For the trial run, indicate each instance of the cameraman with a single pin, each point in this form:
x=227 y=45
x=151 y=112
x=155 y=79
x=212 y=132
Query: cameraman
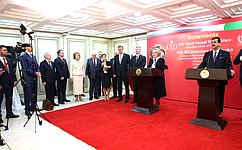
x=31 y=67
x=7 y=81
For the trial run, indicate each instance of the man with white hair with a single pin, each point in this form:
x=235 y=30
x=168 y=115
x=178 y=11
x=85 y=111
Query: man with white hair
x=48 y=76
x=93 y=72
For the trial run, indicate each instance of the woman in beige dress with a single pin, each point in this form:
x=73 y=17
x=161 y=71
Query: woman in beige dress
x=77 y=74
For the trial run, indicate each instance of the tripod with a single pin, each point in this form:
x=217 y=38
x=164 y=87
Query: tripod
x=30 y=87
x=2 y=142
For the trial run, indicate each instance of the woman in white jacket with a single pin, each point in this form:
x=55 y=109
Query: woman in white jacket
x=77 y=74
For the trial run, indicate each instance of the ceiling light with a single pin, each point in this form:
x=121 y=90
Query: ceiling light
x=137 y=14
x=55 y=8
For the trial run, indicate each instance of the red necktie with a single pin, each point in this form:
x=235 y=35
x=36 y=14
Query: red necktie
x=5 y=64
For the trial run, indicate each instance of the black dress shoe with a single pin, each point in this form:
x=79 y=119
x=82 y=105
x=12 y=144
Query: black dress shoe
x=83 y=95
x=119 y=100
x=90 y=98
x=28 y=114
x=1 y=121
x=61 y=102
x=126 y=100
x=96 y=97
x=114 y=96
x=54 y=104
x=12 y=116
x=67 y=100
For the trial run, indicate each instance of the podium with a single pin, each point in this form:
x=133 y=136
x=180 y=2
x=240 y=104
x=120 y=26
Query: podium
x=144 y=77
x=208 y=98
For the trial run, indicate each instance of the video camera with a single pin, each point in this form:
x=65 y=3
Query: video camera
x=20 y=47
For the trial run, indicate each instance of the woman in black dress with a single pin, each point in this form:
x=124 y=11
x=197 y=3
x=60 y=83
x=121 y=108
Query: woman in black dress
x=106 y=76
x=158 y=61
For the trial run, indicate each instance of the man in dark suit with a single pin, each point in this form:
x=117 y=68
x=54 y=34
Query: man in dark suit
x=7 y=81
x=62 y=74
x=31 y=68
x=121 y=66
x=219 y=59
x=238 y=60
x=93 y=71
x=48 y=76
x=137 y=61
x=114 y=78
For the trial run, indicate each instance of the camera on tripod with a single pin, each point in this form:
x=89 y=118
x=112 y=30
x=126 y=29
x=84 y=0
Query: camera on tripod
x=20 y=47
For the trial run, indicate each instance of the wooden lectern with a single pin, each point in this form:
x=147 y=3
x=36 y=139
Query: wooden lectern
x=208 y=102
x=144 y=77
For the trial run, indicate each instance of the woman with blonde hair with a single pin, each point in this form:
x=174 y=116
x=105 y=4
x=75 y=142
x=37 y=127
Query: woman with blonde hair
x=77 y=73
x=157 y=61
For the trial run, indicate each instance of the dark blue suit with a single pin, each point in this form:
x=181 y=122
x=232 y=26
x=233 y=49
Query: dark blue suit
x=6 y=82
x=114 y=79
x=94 y=74
x=48 y=75
x=62 y=70
x=222 y=61
x=30 y=67
x=236 y=62
x=137 y=63
x=120 y=70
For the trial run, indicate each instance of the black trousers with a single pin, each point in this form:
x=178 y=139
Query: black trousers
x=30 y=95
x=61 y=87
x=50 y=91
x=9 y=99
x=94 y=87
x=115 y=86
x=135 y=88
x=221 y=90
x=126 y=84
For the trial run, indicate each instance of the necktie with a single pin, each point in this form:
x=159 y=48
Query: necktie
x=5 y=64
x=50 y=64
x=120 y=58
x=214 y=57
x=137 y=57
x=95 y=62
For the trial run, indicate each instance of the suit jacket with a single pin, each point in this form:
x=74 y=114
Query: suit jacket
x=222 y=61
x=140 y=63
x=112 y=62
x=237 y=61
x=7 y=78
x=62 y=69
x=30 y=66
x=159 y=87
x=48 y=74
x=93 y=71
x=121 y=69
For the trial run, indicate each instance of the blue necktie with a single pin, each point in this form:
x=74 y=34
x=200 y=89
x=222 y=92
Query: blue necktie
x=214 y=57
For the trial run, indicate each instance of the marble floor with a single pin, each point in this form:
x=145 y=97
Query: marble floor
x=44 y=137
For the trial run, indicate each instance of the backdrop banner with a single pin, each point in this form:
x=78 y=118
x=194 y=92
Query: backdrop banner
x=185 y=49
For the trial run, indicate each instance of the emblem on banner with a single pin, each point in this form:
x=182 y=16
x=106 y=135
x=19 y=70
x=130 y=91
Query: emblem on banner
x=239 y=38
x=138 y=72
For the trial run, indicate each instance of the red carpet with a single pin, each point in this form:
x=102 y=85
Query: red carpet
x=111 y=126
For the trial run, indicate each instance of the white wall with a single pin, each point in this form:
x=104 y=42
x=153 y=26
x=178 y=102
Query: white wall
x=49 y=42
